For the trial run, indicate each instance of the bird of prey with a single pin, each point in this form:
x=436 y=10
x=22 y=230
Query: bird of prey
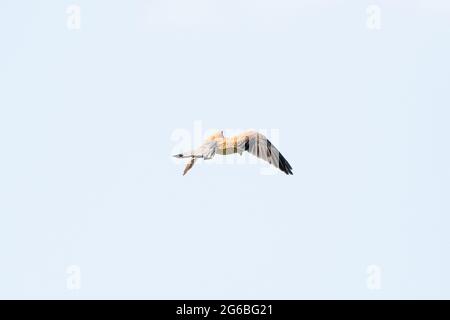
x=250 y=141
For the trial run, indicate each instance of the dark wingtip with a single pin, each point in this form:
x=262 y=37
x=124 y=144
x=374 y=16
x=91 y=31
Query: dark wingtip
x=284 y=165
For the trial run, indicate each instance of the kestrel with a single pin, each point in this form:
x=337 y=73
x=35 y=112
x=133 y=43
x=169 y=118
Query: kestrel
x=250 y=141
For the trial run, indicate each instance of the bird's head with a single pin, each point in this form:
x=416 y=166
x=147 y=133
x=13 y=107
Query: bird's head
x=215 y=136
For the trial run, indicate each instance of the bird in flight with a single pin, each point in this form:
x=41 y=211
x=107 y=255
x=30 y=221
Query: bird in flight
x=250 y=141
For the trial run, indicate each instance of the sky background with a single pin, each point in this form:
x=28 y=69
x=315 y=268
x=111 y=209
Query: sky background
x=87 y=123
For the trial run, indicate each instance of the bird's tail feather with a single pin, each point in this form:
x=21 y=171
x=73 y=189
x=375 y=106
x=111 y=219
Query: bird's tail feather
x=188 y=155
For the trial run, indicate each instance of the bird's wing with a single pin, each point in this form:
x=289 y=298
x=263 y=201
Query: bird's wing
x=189 y=165
x=207 y=150
x=258 y=145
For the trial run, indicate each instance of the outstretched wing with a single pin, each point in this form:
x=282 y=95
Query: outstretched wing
x=258 y=145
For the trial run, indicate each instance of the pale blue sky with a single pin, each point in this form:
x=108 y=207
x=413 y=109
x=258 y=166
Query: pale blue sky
x=86 y=119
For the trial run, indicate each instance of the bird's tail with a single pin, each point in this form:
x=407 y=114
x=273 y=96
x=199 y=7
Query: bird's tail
x=189 y=154
x=183 y=155
x=193 y=157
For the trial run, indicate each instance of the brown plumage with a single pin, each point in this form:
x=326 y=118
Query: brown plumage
x=250 y=141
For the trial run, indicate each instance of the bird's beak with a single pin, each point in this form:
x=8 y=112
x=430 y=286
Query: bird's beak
x=178 y=155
